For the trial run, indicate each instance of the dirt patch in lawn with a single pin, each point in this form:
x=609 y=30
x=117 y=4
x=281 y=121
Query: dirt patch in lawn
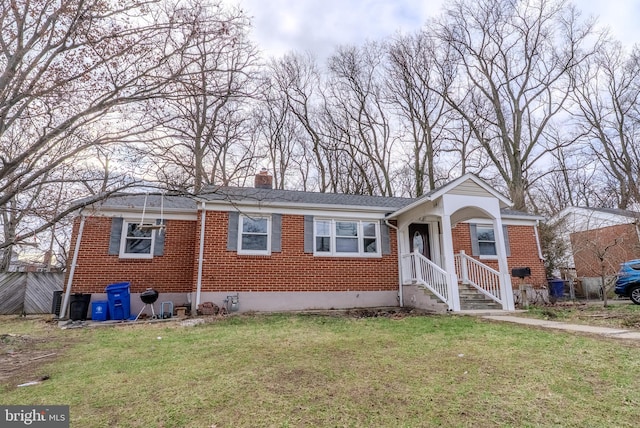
x=23 y=354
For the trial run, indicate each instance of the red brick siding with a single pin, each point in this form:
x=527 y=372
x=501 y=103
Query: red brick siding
x=292 y=269
x=171 y=272
x=289 y=270
x=524 y=251
x=614 y=244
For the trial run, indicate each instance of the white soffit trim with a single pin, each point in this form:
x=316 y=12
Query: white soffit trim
x=509 y=221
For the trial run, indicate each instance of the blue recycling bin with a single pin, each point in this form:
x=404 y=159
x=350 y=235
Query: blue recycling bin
x=119 y=299
x=556 y=287
x=99 y=310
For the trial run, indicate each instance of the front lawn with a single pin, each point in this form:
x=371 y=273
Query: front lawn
x=618 y=314
x=316 y=371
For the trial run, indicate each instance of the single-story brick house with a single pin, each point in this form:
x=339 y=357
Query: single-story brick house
x=281 y=250
x=599 y=236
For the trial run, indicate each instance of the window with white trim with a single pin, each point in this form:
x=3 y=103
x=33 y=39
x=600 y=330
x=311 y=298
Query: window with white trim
x=483 y=240
x=486 y=240
x=254 y=235
x=137 y=240
x=337 y=237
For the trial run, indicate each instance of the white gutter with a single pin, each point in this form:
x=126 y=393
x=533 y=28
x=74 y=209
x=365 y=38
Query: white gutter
x=400 y=294
x=67 y=294
x=200 y=255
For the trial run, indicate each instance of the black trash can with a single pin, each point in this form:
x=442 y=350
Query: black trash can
x=56 y=304
x=79 y=306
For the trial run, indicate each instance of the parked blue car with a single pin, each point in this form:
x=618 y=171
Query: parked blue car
x=628 y=282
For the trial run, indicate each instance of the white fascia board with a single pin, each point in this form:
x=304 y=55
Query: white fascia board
x=507 y=221
x=344 y=211
x=407 y=208
x=516 y=217
x=131 y=212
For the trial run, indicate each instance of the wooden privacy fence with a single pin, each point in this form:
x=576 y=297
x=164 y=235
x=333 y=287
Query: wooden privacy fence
x=28 y=292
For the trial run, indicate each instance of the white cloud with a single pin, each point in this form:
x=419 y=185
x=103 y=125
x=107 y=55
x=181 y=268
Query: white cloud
x=319 y=26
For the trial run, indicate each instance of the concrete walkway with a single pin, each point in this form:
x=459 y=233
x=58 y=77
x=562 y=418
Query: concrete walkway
x=601 y=331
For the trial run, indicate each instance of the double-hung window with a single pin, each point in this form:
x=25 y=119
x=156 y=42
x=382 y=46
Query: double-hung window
x=337 y=237
x=483 y=240
x=137 y=240
x=254 y=235
x=486 y=240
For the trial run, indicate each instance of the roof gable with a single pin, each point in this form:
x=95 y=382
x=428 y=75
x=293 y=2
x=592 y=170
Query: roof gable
x=469 y=185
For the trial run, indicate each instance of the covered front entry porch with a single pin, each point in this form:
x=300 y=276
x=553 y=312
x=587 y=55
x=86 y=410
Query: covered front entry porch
x=432 y=235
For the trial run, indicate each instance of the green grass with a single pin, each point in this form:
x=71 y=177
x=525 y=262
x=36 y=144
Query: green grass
x=309 y=371
x=616 y=315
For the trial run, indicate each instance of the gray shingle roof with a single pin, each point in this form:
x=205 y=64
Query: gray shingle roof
x=616 y=211
x=169 y=202
x=237 y=194
x=250 y=194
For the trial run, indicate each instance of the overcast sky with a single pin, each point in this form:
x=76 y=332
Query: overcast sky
x=280 y=26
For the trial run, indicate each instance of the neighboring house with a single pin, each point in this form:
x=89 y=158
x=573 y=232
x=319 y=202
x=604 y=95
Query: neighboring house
x=600 y=237
x=290 y=250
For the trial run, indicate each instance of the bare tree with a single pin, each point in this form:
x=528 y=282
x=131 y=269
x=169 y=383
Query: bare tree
x=356 y=88
x=282 y=133
x=414 y=88
x=509 y=77
x=204 y=112
x=602 y=250
x=297 y=77
x=607 y=92
x=69 y=70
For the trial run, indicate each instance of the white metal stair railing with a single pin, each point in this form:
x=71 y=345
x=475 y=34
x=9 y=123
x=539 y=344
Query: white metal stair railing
x=422 y=271
x=483 y=278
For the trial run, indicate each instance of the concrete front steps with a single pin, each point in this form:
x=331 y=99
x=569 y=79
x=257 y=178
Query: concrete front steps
x=471 y=299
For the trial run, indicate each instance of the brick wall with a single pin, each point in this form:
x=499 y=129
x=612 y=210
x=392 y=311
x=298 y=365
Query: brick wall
x=172 y=272
x=614 y=244
x=524 y=252
x=292 y=269
x=289 y=270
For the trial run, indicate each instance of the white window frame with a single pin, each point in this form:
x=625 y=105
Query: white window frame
x=360 y=237
x=124 y=237
x=241 y=219
x=495 y=243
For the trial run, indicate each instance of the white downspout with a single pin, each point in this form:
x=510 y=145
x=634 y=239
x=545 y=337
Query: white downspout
x=200 y=255
x=74 y=262
x=400 y=293
x=535 y=231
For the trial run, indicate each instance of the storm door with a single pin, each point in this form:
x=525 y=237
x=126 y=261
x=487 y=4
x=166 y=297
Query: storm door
x=419 y=239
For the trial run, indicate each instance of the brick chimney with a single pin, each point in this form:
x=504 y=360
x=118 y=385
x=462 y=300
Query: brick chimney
x=264 y=180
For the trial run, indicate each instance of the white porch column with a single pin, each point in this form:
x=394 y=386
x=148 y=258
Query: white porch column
x=506 y=289
x=449 y=263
